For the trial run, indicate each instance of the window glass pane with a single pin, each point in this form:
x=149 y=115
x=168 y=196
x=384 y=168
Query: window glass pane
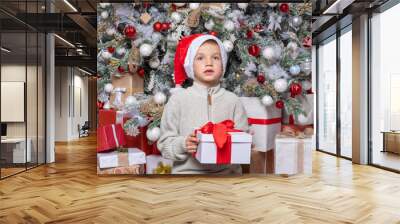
x=346 y=94
x=327 y=96
x=13 y=86
x=385 y=84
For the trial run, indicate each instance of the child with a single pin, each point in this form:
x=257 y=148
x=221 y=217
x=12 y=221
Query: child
x=202 y=58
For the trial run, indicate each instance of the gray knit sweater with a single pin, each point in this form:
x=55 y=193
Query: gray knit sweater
x=190 y=109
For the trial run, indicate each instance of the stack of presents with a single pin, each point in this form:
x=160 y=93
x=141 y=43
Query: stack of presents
x=269 y=147
x=282 y=143
x=119 y=153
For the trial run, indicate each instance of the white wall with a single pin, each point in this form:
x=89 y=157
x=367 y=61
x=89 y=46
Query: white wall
x=70 y=83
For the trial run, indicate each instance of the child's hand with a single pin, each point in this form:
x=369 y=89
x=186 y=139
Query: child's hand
x=191 y=143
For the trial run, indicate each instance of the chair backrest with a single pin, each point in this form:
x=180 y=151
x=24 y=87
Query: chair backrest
x=86 y=125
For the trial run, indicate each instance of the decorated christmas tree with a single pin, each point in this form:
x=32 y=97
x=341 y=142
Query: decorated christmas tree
x=269 y=49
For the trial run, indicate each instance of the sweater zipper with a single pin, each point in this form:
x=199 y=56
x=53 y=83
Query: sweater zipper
x=209 y=106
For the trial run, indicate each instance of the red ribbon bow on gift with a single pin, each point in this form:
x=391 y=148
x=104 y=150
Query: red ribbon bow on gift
x=222 y=138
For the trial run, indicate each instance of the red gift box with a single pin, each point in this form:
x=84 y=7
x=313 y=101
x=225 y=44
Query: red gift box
x=141 y=142
x=110 y=137
x=107 y=117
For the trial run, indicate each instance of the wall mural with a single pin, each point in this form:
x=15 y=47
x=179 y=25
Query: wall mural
x=204 y=88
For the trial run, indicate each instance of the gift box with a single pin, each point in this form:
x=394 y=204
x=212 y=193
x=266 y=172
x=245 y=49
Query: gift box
x=107 y=159
x=134 y=169
x=131 y=82
x=221 y=144
x=136 y=156
x=131 y=157
x=240 y=149
x=293 y=155
x=140 y=141
x=110 y=137
x=107 y=117
x=156 y=164
x=265 y=122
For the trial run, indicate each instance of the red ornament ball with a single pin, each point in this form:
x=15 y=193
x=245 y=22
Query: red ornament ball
x=249 y=34
x=111 y=50
x=284 y=7
x=121 y=69
x=295 y=89
x=213 y=33
x=254 y=50
x=130 y=31
x=261 y=78
x=165 y=26
x=157 y=26
x=279 y=104
x=141 y=72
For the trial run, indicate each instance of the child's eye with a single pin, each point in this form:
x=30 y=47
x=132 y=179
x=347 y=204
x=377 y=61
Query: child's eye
x=216 y=58
x=199 y=58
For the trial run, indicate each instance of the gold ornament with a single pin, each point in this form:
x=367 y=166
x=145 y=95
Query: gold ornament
x=145 y=18
x=193 y=19
x=134 y=60
x=162 y=169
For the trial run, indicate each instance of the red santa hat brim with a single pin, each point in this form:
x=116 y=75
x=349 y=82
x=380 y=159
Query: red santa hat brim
x=186 y=51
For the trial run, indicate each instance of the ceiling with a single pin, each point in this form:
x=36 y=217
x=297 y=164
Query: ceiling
x=332 y=15
x=77 y=25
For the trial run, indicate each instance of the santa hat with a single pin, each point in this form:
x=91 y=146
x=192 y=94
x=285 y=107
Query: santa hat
x=186 y=51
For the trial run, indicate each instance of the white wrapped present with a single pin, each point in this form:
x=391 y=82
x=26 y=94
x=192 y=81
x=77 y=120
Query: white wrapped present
x=132 y=156
x=156 y=164
x=107 y=159
x=293 y=155
x=265 y=122
x=136 y=156
x=240 y=150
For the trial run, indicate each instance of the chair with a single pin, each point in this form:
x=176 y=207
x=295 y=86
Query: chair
x=84 y=130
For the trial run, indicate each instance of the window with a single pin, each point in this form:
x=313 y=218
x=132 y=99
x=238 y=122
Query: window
x=346 y=92
x=327 y=96
x=385 y=89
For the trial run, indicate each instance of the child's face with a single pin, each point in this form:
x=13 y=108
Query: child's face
x=208 y=63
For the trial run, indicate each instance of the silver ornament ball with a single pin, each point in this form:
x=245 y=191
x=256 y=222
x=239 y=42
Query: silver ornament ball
x=267 y=100
x=229 y=25
x=106 y=55
x=297 y=21
x=153 y=134
x=145 y=50
x=176 y=17
x=104 y=15
x=280 y=85
x=228 y=45
x=209 y=25
x=108 y=88
x=160 y=98
x=294 y=70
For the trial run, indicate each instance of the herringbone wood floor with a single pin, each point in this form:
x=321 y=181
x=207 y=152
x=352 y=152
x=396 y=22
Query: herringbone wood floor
x=69 y=191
